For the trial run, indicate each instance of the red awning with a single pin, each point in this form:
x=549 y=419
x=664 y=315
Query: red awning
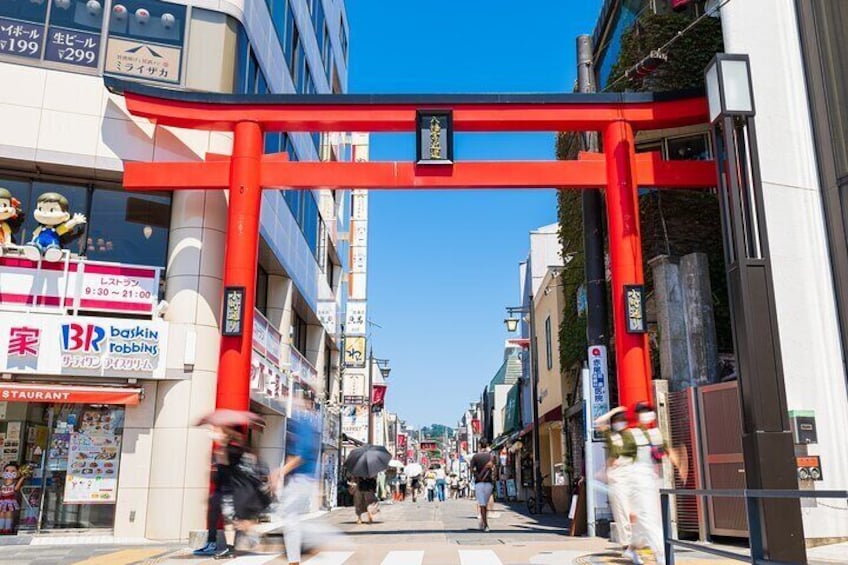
x=15 y=392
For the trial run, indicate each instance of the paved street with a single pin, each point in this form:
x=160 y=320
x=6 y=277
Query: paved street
x=404 y=534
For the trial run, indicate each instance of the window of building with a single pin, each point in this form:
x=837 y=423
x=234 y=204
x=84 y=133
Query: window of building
x=280 y=13
x=299 y=331
x=147 y=21
x=549 y=354
x=122 y=227
x=262 y=290
x=293 y=44
x=691 y=147
x=128 y=227
x=343 y=37
x=326 y=49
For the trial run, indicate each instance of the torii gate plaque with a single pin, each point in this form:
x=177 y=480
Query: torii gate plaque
x=618 y=170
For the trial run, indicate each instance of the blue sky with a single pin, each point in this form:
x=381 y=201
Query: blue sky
x=444 y=265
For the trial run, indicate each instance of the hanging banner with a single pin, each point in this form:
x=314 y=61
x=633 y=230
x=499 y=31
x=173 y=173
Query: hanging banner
x=378 y=395
x=355 y=422
x=598 y=379
x=354 y=353
x=355 y=319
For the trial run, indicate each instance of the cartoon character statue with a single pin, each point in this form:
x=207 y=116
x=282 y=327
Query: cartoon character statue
x=54 y=220
x=10 y=487
x=10 y=216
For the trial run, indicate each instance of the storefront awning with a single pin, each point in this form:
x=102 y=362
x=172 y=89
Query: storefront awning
x=16 y=392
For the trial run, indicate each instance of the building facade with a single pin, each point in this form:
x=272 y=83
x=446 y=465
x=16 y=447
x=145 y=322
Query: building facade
x=797 y=52
x=109 y=355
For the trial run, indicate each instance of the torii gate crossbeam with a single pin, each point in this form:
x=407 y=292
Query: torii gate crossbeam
x=619 y=170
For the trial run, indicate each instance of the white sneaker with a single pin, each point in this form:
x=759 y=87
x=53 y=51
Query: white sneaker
x=52 y=254
x=633 y=556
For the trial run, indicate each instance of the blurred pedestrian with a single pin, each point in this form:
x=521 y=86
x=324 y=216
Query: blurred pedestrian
x=430 y=485
x=483 y=468
x=416 y=487
x=296 y=483
x=441 y=482
x=621 y=451
x=242 y=489
x=644 y=482
x=402 y=481
x=364 y=498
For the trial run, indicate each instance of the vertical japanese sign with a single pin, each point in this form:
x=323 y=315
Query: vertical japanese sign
x=634 y=308
x=354 y=353
x=233 y=311
x=23 y=39
x=73 y=47
x=599 y=399
x=143 y=60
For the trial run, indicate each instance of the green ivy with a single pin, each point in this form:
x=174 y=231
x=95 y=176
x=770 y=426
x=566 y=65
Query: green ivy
x=688 y=56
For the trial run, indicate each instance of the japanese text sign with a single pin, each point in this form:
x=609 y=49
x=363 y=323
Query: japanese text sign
x=142 y=60
x=634 y=308
x=233 y=311
x=21 y=38
x=82 y=345
x=73 y=47
x=599 y=399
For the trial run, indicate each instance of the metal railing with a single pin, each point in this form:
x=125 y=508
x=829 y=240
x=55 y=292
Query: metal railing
x=752 y=506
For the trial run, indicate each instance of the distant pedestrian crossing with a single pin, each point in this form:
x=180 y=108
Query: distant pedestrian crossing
x=437 y=556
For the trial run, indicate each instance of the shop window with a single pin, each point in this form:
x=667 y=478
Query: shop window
x=128 y=227
x=78 y=201
x=24 y=10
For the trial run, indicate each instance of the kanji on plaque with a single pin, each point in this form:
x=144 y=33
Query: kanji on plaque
x=634 y=305
x=23 y=341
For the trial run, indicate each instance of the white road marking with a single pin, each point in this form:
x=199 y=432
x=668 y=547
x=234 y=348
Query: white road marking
x=403 y=558
x=330 y=558
x=478 y=557
x=252 y=559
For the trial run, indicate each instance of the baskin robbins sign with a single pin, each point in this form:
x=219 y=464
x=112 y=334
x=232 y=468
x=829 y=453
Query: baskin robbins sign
x=83 y=346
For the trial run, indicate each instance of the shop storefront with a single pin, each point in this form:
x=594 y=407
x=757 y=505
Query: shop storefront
x=66 y=441
x=66 y=383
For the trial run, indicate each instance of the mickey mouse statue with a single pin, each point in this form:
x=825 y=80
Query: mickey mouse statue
x=54 y=220
x=10 y=211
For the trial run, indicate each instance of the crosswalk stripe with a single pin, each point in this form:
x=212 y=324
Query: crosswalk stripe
x=403 y=558
x=478 y=557
x=252 y=559
x=122 y=557
x=330 y=558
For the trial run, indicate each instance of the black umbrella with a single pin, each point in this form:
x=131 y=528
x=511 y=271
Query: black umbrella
x=367 y=461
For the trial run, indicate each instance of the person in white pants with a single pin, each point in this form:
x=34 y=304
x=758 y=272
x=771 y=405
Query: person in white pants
x=644 y=481
x=621 y=450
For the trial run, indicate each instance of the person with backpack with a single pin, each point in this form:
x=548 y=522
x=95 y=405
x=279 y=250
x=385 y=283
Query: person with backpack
x=483 y=468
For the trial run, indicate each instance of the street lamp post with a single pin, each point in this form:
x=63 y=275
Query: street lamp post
x=512 y=325
x=383 y=365
x=767 y=445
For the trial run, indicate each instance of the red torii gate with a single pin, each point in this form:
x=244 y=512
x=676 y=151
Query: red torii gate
x=618 y=170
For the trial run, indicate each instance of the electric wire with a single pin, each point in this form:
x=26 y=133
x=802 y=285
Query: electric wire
x=670 y=42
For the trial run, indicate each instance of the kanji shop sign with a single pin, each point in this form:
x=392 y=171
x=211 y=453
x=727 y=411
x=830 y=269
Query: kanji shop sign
x=85 y=285
x=82 y=346
x=148 y=61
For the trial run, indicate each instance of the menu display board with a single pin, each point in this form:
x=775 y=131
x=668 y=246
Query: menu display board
x=12 y=442
x=93 y=458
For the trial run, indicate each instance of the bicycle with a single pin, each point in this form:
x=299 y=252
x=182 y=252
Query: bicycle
x=547 y=499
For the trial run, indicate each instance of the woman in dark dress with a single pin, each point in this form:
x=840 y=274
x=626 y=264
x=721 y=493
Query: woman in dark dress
x=363 y=497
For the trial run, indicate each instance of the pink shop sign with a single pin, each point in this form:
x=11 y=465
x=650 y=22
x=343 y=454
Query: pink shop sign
x=78 y=285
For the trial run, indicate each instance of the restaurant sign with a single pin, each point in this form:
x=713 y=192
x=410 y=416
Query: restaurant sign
x=139 y=59
x=83 y=346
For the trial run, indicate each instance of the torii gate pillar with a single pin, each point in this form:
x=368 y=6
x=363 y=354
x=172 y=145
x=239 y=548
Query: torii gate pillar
x=240 y=260
x=633 y=354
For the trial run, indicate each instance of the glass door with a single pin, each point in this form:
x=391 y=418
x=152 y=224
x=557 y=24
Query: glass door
x=81 y=467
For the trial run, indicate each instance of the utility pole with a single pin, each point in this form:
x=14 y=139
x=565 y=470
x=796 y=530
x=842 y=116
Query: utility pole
x=596 y=292
x=593 y=217
x=341 y=409
x=370 y=396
